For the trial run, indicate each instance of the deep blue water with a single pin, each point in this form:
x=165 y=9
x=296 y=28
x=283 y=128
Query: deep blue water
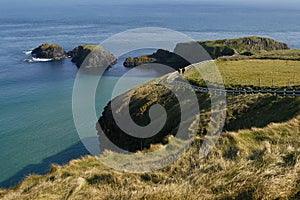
x=36 y=122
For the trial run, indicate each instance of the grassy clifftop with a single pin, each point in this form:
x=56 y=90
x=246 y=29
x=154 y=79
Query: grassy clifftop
x=249 y=164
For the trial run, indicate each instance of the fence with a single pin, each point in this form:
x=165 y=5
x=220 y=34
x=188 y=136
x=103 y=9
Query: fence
x=292 y=93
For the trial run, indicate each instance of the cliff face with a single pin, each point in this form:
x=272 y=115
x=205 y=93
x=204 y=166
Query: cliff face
x=243 y=116
x=92 y=56
x=139 y=105
x=49 y=51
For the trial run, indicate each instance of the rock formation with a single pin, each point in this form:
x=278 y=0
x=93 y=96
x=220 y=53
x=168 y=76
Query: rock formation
x=49 y=51
x=160 y=56
x=92 y=57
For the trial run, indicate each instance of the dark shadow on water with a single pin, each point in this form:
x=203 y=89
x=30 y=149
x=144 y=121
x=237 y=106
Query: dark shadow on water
x=75 y=151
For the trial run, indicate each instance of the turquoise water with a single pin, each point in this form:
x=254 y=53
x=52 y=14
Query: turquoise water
x=36 y=122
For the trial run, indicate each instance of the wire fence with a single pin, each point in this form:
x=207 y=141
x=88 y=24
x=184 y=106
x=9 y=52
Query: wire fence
x=284 y=92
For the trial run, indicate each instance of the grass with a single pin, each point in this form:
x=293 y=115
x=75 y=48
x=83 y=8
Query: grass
x=249 y=164
x=254 y=73
x=292 y=54
x=48 y=45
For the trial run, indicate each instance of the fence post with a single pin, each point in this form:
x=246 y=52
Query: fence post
x=272 y=83
x=259 y=81
x=294 y=93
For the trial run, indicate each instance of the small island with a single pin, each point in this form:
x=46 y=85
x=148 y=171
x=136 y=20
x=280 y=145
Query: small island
x=88 y=56
x=49 y=52
x=92 y=56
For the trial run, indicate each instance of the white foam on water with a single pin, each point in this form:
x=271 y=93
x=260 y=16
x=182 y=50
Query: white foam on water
x=27 y=52
x=38 y=60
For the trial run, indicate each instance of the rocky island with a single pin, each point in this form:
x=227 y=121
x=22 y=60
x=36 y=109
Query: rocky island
x=49 y=51
x=92 y=56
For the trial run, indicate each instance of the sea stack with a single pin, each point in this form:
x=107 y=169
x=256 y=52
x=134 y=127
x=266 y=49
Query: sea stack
x=92 y=57
x=49 y=51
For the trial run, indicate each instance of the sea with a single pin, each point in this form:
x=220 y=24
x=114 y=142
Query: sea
x=36 y=119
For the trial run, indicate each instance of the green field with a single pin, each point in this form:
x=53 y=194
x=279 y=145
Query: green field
x=292 y=54
x=254 y=73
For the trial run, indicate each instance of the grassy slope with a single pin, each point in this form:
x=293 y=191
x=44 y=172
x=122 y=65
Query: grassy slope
x=249 y=164
x=247 y=73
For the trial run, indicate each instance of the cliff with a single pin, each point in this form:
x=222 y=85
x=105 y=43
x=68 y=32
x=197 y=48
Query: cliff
x=243 y=116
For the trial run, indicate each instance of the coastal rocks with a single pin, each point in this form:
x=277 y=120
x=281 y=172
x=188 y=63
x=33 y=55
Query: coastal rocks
x=92 y=57
x=160 y=56
x=49 y=51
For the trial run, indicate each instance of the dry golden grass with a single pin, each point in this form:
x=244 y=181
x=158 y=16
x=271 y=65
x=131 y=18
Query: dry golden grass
x=260 y=163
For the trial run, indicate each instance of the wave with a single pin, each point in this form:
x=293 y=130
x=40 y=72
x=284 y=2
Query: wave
x=27 y=52
x=38 y=60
